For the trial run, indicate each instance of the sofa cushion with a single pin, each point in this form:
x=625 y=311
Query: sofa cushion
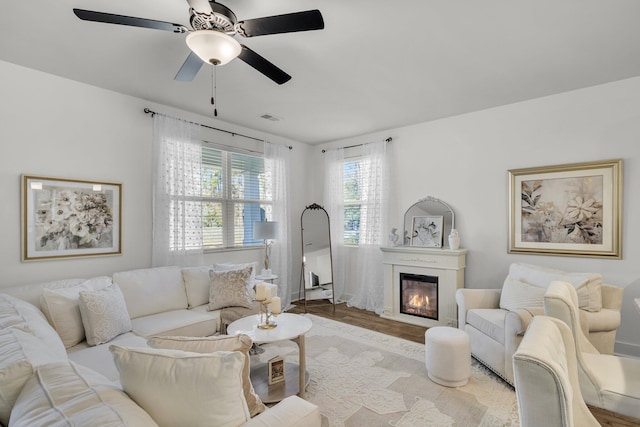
x=230 y=289
x=15 y=312
x=31 y=293
x=588 y=285
x=99 y=357
x=197 y=283
x=20 y=353
x=65 y=394
x=152 y=290
x=517 y=294
x=179 y=388
x=61 y=308
x=229 y=266
x=241 y=343
x=193 y=323
x=489 y=321
x=104 y=314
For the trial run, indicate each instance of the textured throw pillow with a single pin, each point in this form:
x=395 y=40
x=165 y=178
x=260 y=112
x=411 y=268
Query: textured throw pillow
x=588 y=285
x=20 y=353
x=179 y=388
x=230 y=289
x=67 y=394
x=516 y=294
x=63 y=311
x=104 y=314
x=241 y=343
x=231 y=266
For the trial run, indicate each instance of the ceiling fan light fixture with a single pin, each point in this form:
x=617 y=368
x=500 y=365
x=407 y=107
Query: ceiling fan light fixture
x=213 y=47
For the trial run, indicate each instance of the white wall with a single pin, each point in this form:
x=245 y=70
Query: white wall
x=464 y=161
x=60 y=128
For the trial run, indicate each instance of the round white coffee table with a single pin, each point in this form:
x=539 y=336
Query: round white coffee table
x=290 y=327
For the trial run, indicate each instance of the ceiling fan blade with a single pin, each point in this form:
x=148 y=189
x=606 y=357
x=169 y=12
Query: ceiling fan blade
x=263 y=65
x=288 y=23
x=110 y=18
x=189 y=69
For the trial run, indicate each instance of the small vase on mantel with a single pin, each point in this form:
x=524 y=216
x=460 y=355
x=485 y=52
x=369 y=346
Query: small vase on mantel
x=454 y=239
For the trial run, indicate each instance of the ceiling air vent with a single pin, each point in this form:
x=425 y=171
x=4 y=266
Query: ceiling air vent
x=271 y=117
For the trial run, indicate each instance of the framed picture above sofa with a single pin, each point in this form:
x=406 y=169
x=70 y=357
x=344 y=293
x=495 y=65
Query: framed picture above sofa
x=64 y=218
x=570 y=209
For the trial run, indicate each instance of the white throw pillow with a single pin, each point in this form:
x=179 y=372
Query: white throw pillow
x=197 y=283
x=588 y=285
x=179 y=388
x=241 y=343
x=104 y=314
x=516 y=294
x=16 y=313
x=63 y=311
x=230 y=289
x=66 y=394
x=20 y=353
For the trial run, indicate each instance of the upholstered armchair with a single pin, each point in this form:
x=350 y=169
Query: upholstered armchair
x=546 y=377
x=496 y=319
x=606 y=381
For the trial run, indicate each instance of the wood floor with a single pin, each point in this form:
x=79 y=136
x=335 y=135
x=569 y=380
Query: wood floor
x=370 y=320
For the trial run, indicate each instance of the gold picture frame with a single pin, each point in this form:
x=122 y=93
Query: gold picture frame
x=570 y=209
x=277 y=370
x=64 y=218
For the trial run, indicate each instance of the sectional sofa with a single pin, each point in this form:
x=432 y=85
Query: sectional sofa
x=78 y=351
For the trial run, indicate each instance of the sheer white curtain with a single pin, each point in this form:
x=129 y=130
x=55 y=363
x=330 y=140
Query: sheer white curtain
x=369 y=293
x=334 y=205
x=276 y=162
x=177 y=168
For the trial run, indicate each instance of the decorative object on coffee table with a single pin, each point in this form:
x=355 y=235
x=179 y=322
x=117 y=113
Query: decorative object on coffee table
x=276 y=370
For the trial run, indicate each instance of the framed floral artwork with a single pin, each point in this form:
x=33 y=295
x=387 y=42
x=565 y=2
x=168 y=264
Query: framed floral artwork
x=571 y=209
x=427 y=231
x=64 y=218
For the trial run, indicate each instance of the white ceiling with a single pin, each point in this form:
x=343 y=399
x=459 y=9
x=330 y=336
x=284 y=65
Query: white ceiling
x=377 y=64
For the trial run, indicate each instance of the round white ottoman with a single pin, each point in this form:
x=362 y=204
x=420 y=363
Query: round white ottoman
x=448 y=356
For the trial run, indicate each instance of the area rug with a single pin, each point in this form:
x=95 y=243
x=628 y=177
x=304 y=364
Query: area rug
x=361 y=377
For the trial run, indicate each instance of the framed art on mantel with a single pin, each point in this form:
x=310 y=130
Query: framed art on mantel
x=427 y=231
x=64 y=218
x=571 y=209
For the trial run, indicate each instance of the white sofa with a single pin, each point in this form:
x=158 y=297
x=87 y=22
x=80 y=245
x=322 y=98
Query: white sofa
x=496 y=319
x=162 y=301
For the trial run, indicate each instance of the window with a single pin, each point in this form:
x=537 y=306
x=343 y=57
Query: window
x=233 y=195
x=352 y=177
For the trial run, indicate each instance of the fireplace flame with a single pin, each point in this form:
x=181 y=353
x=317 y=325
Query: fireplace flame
x=418 y=301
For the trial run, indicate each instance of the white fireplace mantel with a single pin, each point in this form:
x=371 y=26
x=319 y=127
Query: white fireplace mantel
x=446 y=264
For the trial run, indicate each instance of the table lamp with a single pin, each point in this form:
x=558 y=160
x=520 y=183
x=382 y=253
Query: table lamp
x=266 y=231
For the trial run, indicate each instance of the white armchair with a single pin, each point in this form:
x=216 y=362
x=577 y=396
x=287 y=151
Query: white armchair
x=496 y=319
x=546 y=377
x=606 y=381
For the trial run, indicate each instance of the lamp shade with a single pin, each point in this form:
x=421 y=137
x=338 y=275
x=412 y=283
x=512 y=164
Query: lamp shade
x=265 y=230
x=213 y=47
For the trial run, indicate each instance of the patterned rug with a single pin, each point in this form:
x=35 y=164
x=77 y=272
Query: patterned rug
x=364 y=378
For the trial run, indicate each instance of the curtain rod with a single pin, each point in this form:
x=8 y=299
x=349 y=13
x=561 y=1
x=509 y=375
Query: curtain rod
x=153 y=113
x=359 y=145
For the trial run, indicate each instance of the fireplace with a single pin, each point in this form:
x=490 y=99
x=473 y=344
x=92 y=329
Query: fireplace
x=421 y=283
x=419 y=295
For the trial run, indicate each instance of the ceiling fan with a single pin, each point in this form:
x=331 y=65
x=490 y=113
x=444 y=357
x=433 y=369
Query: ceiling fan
x=213 y=27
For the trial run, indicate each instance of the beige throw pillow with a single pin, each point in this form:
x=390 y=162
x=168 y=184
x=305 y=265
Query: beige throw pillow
x=230 y=289
x=241 y=343
x=516 y=294
x=61 y=306
x=179 y=388
x=104 y=314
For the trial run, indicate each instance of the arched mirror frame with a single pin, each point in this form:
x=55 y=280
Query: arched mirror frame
x=303 y=278
x=429 y=206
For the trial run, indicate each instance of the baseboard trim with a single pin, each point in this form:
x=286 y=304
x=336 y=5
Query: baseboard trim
x=627 y=349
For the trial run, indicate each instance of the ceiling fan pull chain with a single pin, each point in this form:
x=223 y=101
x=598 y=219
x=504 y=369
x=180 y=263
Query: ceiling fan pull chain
x=214 y=89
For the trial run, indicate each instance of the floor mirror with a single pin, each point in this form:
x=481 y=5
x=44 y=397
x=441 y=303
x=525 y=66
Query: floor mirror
x=317 y=261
